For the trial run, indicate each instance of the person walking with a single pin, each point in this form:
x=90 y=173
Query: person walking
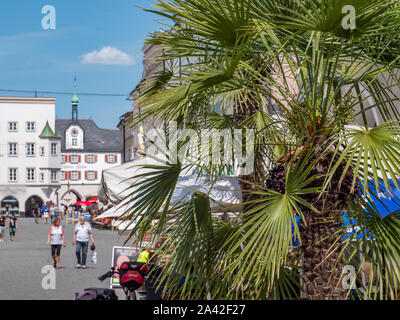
x=36 y=213
x=52 y=212
x=46 y=215
x=12 y=226
x=82 y=234
x=3 y=221
x=7 y=211
x=56 y=239
x=61 y=210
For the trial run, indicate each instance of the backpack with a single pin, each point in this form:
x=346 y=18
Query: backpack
x=96 y=294
x=130 y=276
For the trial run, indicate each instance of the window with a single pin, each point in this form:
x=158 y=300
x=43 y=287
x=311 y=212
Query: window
x=53 y=176
x=31 y=126
x=90 y=158
x=12 y=174
x=12 y=149
x=30 y=174
x=74 y=142
x=30 y=149
x=12 y=126
x=74 y=175
x=42 y=151
x=63 y=175
x=74 y=159
x=54 y=149
x=41 y=177
x=111 y=158
x=91 y=175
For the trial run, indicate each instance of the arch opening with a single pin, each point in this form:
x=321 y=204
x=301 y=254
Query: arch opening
x=9 y=204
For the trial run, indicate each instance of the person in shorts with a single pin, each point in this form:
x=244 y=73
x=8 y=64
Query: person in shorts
x=12 y=226
x=56 y=239
x=3 y=221
x=46 y=215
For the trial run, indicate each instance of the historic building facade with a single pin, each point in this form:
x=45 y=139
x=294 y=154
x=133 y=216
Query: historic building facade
x=30 y=148
x=86 y=150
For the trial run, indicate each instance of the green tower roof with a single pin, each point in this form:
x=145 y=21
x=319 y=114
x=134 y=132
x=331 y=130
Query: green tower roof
x=48 y=133
x=75 y=99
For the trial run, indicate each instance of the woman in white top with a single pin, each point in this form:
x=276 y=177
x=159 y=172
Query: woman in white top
x=46 y=215
x=56 y=239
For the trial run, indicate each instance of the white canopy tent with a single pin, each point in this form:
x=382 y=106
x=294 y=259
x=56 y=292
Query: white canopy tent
x=116 y=183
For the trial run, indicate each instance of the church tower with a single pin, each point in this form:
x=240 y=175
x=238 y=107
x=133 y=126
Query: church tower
x=75 y=103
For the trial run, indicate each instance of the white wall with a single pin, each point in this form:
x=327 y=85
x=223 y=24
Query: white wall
x=21 y=110
x=99 y=166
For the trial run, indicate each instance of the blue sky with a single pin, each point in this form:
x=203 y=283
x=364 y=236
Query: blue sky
x=98 y=41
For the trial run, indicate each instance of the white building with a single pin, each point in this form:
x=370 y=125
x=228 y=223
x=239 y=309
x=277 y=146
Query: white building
x=86 y=150
x=29 y=153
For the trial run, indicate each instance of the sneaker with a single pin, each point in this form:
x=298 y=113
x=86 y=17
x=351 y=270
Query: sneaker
x=83 y=267
x=78 y=266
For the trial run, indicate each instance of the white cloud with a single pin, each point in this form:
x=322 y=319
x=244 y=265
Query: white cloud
x=108 y=56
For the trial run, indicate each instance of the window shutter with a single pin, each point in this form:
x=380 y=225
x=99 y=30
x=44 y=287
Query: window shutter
x=79 y=175
x=79 y=159
x=106 y=158
x=95 y=158
x=86 y=158
x=95 y=175
x=86 y=175
x=116 y=158
x=70 y=158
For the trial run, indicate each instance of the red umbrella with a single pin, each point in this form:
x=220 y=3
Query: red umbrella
x=84 y=203
x=94 y=199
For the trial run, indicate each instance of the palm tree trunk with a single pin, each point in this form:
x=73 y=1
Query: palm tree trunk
x=320 y=276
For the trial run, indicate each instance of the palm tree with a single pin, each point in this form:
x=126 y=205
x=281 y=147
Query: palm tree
x=307 y=85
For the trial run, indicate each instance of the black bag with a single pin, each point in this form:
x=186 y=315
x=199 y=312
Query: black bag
x=96 y=294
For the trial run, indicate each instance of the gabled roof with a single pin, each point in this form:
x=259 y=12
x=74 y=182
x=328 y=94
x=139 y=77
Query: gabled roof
x=47 y=133
x=95 y=139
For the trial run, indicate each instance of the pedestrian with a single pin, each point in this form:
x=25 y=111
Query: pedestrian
x=82 y=234
x=3 y=221
x=36 y=213
x=52 y=213
x=144 y=256
x=56 y=239
x=61 y=209
x=46 y=215
x=12 y=226
x=7 y=211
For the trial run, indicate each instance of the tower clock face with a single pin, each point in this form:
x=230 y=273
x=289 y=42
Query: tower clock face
x=74 y=132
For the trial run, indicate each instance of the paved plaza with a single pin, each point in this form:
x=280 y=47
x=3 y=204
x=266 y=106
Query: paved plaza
x=21 y=263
